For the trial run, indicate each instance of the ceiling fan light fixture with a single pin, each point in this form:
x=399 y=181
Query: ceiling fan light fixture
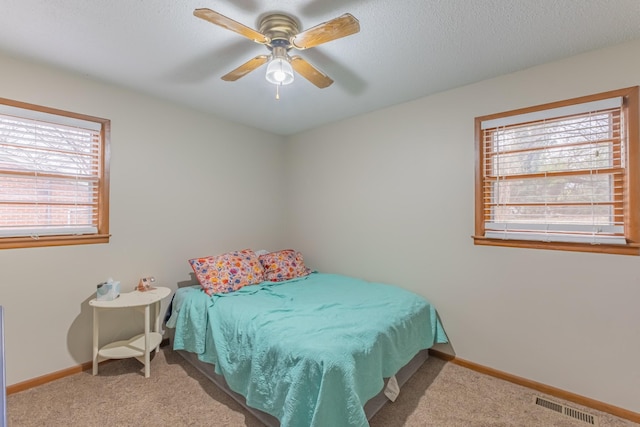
x=279 y=72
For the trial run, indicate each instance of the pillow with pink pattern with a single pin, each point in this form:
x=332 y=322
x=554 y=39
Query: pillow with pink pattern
x=227 y=272
x=283 y=265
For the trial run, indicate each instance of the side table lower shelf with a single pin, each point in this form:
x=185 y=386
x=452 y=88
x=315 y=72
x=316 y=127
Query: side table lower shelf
x=133 y=347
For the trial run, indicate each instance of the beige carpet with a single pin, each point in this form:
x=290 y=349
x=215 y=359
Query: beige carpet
x=440 y=394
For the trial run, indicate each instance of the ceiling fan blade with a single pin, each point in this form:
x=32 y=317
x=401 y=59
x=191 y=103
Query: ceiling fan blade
x=245 y=68
x=310 y=72
x=230 y=24
x=342 y=26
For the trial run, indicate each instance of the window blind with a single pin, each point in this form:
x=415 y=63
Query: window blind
x=556 y=175
x=49 y=174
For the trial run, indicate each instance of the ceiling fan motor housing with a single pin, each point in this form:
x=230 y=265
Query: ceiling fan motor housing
x=279 y=28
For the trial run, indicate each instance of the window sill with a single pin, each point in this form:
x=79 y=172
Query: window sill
x=628 y=249
x=29 y=242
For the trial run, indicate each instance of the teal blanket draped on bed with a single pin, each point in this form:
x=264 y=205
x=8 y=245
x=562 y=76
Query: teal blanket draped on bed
x=309 y=351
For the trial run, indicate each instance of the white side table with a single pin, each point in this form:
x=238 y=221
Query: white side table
x=139 y=346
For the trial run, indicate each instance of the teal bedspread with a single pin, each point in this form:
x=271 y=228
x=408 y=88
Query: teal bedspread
x=309 y=351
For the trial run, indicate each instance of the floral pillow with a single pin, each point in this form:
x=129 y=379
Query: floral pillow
x=228 y=272
x=283 y=265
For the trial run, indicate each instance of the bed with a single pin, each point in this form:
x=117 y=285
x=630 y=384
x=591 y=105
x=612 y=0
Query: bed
x=314 y=350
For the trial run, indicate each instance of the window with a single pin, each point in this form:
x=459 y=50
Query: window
x=561 y=176
x=54 y=177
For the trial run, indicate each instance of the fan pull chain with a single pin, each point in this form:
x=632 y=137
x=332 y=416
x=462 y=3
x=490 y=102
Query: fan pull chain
x=277 y=91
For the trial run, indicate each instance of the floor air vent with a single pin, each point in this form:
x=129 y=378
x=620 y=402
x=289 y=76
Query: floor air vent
x=568 y=411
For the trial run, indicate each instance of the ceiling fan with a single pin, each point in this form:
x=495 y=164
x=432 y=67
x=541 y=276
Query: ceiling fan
x=280 y=33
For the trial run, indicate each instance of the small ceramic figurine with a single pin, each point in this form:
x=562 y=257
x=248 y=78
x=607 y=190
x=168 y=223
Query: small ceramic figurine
x=145 y=284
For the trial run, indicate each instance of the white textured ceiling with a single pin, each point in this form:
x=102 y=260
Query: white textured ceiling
x=405 y=49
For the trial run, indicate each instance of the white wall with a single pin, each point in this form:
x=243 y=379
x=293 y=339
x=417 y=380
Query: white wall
x=389 y=196
x=183 y=185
